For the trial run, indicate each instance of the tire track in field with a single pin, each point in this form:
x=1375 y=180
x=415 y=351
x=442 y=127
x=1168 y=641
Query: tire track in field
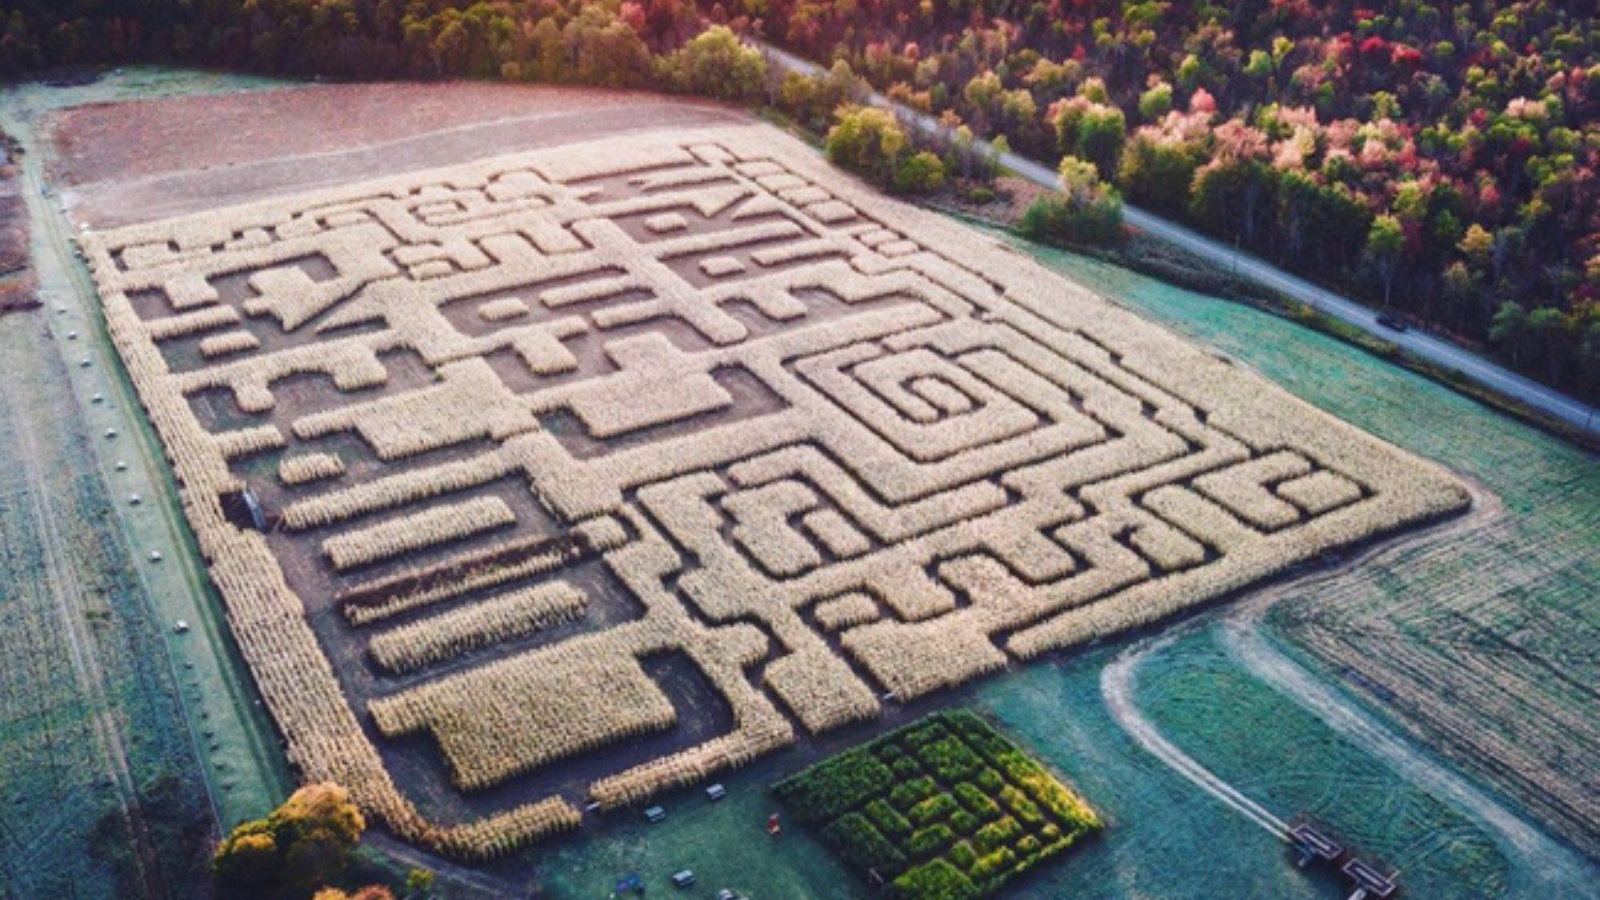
x=63 y=583
x=268 y=780
x=1545 y=867
x=62 y=578
x=1539 y=865
x=1117 y=683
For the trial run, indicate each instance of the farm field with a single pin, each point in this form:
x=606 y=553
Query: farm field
x=1477 y=639
x=1159 y=827
x=94 y=751
x=535 y=431
x=1184 y=690
x=199 y=146
x=1053 y=705
x=116 y=736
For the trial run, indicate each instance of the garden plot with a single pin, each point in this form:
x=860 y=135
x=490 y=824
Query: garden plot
x=943 y=809
x=528 y=428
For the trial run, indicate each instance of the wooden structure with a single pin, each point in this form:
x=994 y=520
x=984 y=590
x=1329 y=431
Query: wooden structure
x=244 y=510
x=1314 y=843
x=1369 y=881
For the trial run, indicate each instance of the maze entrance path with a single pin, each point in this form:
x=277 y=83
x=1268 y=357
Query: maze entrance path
x=641 y=456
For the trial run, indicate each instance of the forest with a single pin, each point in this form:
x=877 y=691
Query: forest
x=1436 y=159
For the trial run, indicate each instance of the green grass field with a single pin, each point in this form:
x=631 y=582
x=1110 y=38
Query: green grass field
x=122 y=745
x=1481 y=638
x=90 y=720
x=1193 y=691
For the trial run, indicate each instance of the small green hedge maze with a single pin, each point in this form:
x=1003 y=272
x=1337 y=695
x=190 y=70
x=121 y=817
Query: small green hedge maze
x=945 y=808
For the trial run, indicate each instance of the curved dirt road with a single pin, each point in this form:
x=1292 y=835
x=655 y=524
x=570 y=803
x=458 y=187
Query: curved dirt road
x=1117 y=683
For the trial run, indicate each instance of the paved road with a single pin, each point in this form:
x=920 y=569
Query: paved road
x=1434 y=350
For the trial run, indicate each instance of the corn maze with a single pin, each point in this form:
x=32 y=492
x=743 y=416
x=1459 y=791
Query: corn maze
x=532 y=428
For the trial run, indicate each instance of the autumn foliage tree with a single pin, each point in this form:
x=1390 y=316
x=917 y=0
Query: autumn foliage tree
x=1436 y=156
x=370 y=892
x=716 y=64
x=1290 y=127
x=867 y=140
x=300 y=847
x=1086 y=211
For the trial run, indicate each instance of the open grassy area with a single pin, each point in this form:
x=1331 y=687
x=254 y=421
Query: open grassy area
x=1163 y=838
x=1216 y=710
x=1477 y=639
x=100 y=791
x=945 y=807
x=122 y=744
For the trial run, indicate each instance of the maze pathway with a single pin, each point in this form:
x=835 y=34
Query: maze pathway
x=527 y=428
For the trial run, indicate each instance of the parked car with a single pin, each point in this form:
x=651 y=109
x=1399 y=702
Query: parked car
x=1393 y=322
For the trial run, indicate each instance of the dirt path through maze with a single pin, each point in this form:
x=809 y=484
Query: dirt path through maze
x=786 y=449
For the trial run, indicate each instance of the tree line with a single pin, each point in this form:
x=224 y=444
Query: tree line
x=1436 y=158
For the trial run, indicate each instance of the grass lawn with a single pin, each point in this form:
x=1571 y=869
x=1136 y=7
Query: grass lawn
x=1194 y=691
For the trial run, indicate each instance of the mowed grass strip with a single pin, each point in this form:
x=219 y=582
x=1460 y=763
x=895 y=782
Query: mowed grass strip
x=945 y=808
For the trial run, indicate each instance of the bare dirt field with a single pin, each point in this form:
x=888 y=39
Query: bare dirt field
x=123 y=141
x=131 y=162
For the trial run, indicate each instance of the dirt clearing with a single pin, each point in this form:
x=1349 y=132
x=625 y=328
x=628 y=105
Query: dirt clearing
x=121 y=163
